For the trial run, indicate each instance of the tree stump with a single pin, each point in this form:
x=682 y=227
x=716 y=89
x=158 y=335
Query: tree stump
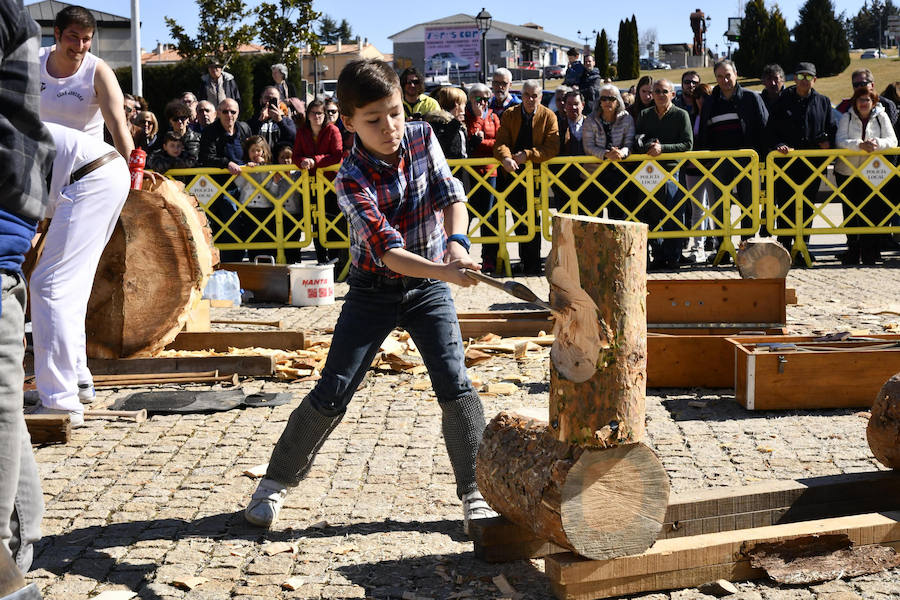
x=598 y=288
x=600 y=503
x=762 y=258
x=883 y=431
x=151 y=274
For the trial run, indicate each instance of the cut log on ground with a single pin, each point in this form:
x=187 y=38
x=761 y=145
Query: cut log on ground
x=600 y=503
x=762 y=258
x=151 y=274
x=49 y=429
x=598 y=284
x=883 y=431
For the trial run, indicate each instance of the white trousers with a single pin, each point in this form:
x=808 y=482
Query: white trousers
x=60 y=287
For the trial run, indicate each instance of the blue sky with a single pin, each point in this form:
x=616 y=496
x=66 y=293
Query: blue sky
x=370 y=19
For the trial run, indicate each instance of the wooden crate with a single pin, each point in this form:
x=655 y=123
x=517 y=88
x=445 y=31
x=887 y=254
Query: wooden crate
x=810 y=374
x=269 y=283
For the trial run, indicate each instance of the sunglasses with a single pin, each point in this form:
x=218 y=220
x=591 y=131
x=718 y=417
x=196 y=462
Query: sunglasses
x=228 y=111
x=413 y=81
x=807 y=77
x=608 y=99
x=317 y=113
x=181 y=119
x=500 y=83
x=332 y=111
x=481 y=99
x=128 y=110
x=148 y=122
x=862 y=83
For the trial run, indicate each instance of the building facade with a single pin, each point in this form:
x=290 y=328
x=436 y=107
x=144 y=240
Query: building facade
x=112 y=39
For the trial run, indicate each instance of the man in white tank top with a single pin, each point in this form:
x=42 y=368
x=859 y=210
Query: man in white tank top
x=88 y=187
x=78 y=89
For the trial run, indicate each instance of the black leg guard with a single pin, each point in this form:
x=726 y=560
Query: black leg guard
x=303 y=436
x=463 y=427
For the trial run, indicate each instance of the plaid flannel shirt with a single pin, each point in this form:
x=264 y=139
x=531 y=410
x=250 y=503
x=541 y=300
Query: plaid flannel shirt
x=397 y=206
x=26 y=148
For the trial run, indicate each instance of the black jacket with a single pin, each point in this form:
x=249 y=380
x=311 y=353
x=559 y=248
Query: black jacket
x=751 y=112
x=800 y=123
x=213 y=140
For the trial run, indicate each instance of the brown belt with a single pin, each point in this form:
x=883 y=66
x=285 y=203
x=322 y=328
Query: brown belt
x=94 y=165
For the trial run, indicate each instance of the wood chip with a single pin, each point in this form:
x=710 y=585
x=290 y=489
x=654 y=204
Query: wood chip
x=257 y=471
x=505 y=588
x=188 y=583
x=719 y=588
x=319 y=525
x=115 y=595
x=501 y=388
x=421 y=385
x=476 y=357
x=273 y=548
x=293 y=584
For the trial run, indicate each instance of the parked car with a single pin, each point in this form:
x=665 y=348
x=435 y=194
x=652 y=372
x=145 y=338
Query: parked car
x=873 y=54
x=442 y=60
x=651 y=64
x=554 y=71
x=529 y=64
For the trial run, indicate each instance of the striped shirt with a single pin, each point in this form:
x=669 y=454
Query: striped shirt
x=397 y=206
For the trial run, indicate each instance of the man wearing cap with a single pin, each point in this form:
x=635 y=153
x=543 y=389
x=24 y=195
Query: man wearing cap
x=801 y=119
x=575 y=69
x=216 y=85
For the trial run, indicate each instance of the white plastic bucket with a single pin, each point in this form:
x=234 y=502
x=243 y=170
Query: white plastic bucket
x=312 y=285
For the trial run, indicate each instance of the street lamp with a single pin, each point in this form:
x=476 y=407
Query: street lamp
x=483 y=20
x=586 y=37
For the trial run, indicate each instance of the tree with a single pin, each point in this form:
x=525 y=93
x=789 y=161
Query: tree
x=601 y=54
x=330 y=31
x=864 y=28
x=220 y=33
x=625 y=65
x=750 y=56
x=285 y=27
x=634 y=48
x=777 y=40
x=820 y=37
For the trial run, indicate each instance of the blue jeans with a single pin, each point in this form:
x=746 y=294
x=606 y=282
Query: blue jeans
x=21 y=501
x=373 y=307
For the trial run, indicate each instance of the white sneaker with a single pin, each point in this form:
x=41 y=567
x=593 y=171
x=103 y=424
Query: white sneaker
x=475 y=507
x=266 y=503
x=86 y=393
x=76 y=417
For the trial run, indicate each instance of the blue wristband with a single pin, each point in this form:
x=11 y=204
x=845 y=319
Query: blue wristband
x=461 y=239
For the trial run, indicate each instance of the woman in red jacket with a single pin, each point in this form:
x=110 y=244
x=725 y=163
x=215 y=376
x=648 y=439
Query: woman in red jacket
x=318 y=144
x=481 y=127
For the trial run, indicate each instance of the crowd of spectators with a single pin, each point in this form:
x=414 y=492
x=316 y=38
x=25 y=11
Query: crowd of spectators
x=587 y=115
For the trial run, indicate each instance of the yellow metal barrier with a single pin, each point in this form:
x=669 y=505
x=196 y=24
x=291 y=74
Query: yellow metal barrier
x=793 y=193
x=629 y=189
x=236 y=225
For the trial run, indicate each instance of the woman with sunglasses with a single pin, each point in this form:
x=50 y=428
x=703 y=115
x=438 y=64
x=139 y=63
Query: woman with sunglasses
x=482 y=124
x=608 y=134
x=179 y=117
x=148 y=132
x=318 y=144
x=332 y=115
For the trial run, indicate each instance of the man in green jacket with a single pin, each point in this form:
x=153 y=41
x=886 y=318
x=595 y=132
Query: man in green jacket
x=415 y=102
x=660 y=129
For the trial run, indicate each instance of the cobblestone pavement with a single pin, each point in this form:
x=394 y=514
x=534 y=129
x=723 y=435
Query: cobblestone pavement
x=142 y=506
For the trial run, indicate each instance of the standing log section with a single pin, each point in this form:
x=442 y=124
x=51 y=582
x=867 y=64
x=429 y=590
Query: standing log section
x=585 y=482
x=607 y=261
x=151 y=273
x=883 y=431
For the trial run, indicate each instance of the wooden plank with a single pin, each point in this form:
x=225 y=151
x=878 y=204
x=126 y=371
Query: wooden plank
x=221 y=341
x=242 y=365
x=790 y=296
x=49 y=429
x=275 y=324
x=269 y=283
x=716 y=301
x=812 y=379
x=718 y=548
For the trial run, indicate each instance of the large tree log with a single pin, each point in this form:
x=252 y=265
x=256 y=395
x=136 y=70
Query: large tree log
x=598 y=286
x=883 y=431
x=600 y=503
x=762 y=258
x=151 y=274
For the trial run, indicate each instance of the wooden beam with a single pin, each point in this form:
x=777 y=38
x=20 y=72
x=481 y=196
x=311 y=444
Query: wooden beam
x=221 y=341
x=814 y=375
x=49 y=429
x=713 y=510
x=242 y=365
x=689 y=561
